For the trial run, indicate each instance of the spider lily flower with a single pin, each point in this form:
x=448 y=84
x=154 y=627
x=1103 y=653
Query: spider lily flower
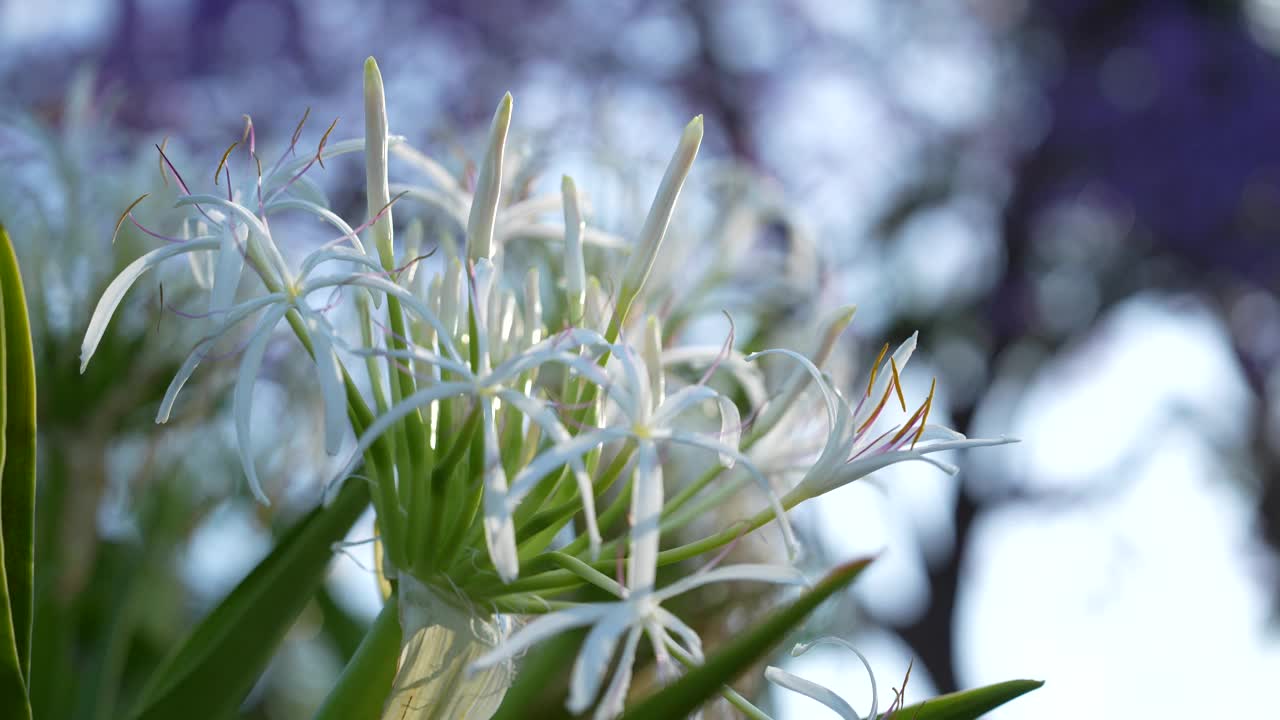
x=638 y=611
x=822 y=694
x=851 y=451
x=244 y=233
x=647 y=419
x=488 y=387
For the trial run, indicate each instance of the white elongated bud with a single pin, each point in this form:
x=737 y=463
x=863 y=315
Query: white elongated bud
x=375 y=158
x=484 y=206
x=655 y=224
x=575 y=270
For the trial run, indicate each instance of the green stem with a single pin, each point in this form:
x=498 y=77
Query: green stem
x=365 y=683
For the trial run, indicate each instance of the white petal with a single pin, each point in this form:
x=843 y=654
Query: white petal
x=242 y=401
x=310 y=262
x=308 y=190
x=615 y=696
x=226 y=274
x=544 y=418
x=259 y=236
x=746 y=572
x=592 y=663
x=395 y=413
x=828 y=395
x=499 y=527
x=331 y=385
x=114 y=294
x=235 y=315
x=646 y=513
x=814 y=485
x=387 y=287
x=542 y=628
x=321 y=212
x=344 y=147
x=555 y=456
x=784 y=679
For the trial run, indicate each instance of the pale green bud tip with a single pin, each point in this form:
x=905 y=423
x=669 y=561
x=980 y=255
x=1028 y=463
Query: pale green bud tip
x=502 y=118
x=372 y=75
x=566 y=185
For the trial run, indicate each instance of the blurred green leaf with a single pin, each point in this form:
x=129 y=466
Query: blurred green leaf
x=212 y=672
x=702 y=683
x=17 y=486
x=967 y=704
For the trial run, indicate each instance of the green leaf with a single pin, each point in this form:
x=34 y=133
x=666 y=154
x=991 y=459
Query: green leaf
x=967 y=704
x=212 y=672
x=702 y=683
x=365 y=682
x=17 y=486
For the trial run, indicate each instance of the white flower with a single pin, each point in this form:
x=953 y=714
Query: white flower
x=638 y=611
x=851 y=451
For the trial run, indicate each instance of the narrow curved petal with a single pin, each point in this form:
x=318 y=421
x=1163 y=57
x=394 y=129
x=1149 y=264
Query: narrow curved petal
x=397 y=412
x=226 y=274
x=543 y=417
x=235 y=316
x=816 y=484
x=647 y=495
x=257 y=232
x=558 y=455
x=115 y=292
x=746 y=572
x=779 y=512
x=499 y=527
x=331 y=385
x=592 y=663
x=542 y=628
x=242 y=400
x=615 y=696
x=321 y=212
x=387 y=287
x=810 y=689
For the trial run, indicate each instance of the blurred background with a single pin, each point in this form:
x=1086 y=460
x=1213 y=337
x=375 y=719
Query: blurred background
x=1076 y=202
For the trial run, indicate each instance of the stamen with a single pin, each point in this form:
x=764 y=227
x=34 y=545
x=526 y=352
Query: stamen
x=124 y=216
x=249 y=135
x=897 y=384
x=218 y=170
x=323 y=139
x=875 y=368
x=928 y=405
x=725 y=349
x=164 y=176
x=879 y=406
x=297 y=132
x=176 y=176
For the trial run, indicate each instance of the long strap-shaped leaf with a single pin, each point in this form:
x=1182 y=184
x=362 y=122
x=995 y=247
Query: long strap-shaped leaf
x=967 y=704
x=17 y=486
x=213 y=671
x=704 y=682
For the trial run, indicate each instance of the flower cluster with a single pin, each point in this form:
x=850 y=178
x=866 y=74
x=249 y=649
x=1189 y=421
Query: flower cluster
x=518 y=425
